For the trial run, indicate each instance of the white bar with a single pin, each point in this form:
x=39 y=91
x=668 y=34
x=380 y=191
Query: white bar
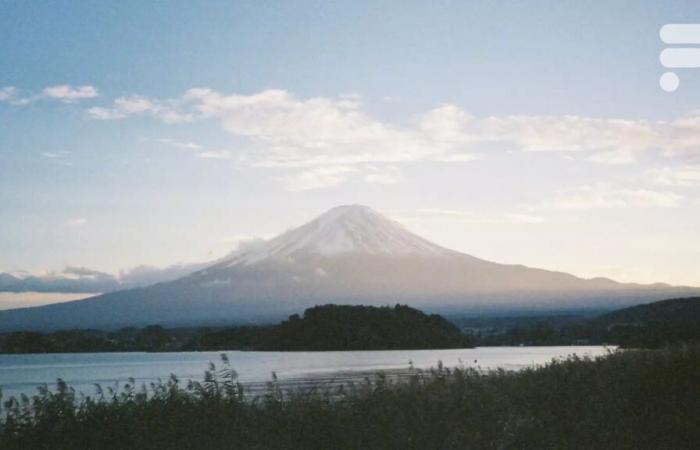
x=680 y=58
x=680 y=33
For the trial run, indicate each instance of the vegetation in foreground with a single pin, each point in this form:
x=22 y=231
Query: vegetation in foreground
x=646 y=399
x=327 y=327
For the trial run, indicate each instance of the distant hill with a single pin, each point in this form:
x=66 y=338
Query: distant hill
x=348 y=255
x=343 y=327
x=680 y=310
x=658 y=324
x=653 y=325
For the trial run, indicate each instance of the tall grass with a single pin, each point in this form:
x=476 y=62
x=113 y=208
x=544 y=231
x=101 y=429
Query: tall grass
x=627 y=400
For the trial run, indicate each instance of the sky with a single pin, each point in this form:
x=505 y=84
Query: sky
x=533 y=133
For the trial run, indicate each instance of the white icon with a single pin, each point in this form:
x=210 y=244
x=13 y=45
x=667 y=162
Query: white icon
x=678 y=57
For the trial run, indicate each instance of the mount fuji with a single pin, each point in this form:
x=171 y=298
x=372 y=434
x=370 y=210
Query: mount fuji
x=348 y=255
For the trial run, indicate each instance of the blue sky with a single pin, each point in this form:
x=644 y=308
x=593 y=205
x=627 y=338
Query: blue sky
x=536 y=133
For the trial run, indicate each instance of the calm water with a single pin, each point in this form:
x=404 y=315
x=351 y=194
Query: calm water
x=23 y=373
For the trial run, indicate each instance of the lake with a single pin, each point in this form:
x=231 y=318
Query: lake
x=23 y=373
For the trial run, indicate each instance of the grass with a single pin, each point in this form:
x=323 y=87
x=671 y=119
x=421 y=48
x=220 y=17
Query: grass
x=626 y=400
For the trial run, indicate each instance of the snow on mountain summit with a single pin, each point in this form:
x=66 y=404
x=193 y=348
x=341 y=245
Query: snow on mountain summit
x=343 y=229
x=349 y=255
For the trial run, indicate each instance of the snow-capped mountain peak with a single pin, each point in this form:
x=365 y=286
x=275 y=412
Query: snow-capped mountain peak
x=343 y=229
x=349 y=255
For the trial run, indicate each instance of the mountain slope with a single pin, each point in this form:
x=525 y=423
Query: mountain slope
x=352 y=255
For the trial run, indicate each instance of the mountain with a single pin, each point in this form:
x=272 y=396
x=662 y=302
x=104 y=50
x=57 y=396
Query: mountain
x=349 y=255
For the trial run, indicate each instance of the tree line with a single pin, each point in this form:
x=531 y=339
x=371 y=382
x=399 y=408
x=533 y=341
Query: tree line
x=327 y=327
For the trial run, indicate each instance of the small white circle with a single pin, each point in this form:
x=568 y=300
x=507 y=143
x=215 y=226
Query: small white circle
x=669 y=81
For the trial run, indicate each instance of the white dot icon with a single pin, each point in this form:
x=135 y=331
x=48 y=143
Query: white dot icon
x=669 y=81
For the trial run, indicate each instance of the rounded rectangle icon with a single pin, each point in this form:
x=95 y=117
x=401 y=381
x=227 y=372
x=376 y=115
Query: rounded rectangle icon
x=680 y=58
x=680 y=33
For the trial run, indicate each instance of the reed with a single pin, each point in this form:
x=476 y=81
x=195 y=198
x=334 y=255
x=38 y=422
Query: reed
x=625 y=400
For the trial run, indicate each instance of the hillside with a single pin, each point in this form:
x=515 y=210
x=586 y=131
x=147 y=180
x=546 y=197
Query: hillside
x=653 y=325
x=336 y=327
x=658 y=324
x=676 y=310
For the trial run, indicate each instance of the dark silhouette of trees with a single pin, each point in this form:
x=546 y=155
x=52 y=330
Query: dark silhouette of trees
x=344 y=327
x=328 y=327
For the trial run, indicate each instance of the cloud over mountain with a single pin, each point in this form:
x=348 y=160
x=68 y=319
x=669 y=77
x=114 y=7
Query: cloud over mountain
x=74 y=279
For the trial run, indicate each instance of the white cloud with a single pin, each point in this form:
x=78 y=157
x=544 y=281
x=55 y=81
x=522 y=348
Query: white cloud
x=135 y=104
x=383 y=178
x=67 y=93
x=317 y=178
x=386 y=175
x=7 y=93
x=76 y=222
x=240 y=239
x=58 y=157
x=243 y=243
x=568 y=133
x=281 y=130
x=614 y=157
x=216 y=154
x=600 y=196
x=678 y=176
x=188 y=145
x=99 y=113
x=286 y=132
x=456 y=215
x=684 y=135
x=447 y=124
x=166 y=111
x=24 y=101
x=603 y=196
